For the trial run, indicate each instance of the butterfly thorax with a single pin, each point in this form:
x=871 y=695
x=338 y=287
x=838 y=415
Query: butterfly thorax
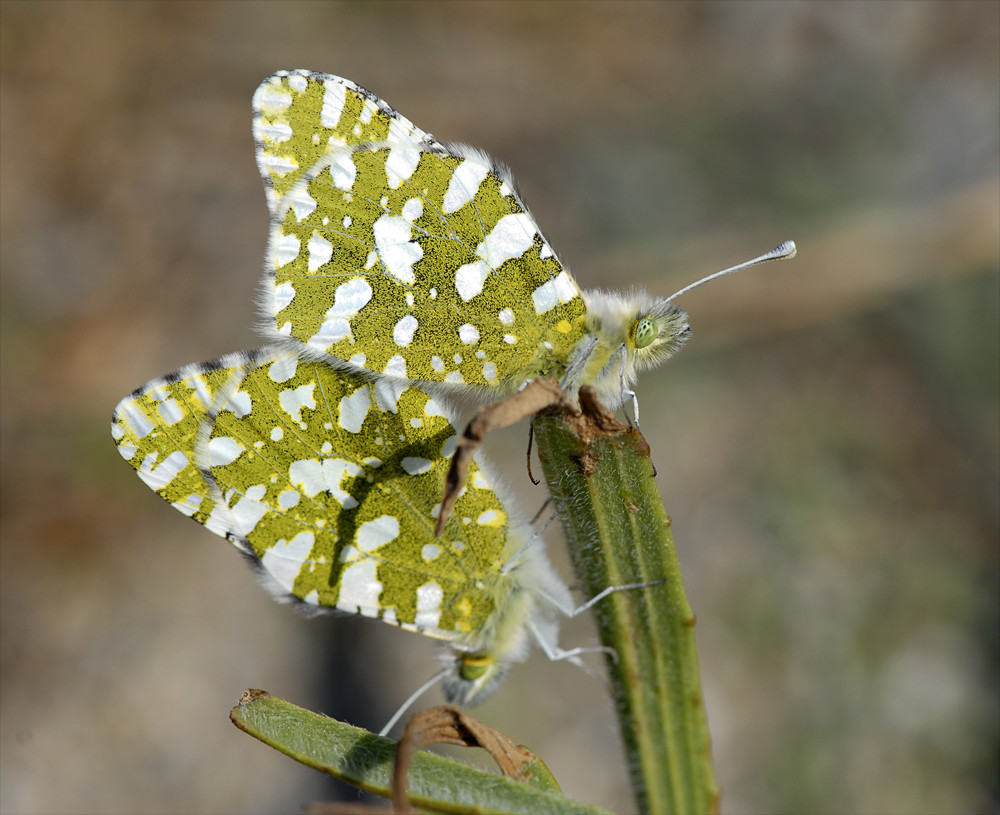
x=646 y=330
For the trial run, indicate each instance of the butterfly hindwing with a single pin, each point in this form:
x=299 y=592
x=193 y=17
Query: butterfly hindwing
x=330 y=481
x=156 y=428
x=333 y=482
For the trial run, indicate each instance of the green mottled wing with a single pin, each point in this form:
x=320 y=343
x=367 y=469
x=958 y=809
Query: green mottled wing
x=410 y=259
x=299 y=116
x=156 y=428
x=330 y=482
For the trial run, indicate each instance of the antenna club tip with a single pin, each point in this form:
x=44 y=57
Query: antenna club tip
x=786 y=250
x=782 y=252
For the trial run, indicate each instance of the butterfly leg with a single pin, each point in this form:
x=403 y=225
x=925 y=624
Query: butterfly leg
x=633 y=421
x=611 y=590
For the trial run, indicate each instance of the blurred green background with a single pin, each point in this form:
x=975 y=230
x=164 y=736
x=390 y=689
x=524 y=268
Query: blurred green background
x=827 y=444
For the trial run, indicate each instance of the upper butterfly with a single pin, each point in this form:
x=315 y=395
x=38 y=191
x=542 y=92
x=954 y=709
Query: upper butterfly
x=417 y=260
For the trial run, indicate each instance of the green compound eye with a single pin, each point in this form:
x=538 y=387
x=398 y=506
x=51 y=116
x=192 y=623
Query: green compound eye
x=645 y=332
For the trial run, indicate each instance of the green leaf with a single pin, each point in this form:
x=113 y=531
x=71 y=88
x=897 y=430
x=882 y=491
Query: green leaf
x=365 y=760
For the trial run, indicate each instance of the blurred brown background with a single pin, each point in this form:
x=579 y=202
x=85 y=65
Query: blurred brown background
x=827 y=444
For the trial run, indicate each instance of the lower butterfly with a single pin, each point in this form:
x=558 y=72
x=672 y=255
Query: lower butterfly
x=329 y=484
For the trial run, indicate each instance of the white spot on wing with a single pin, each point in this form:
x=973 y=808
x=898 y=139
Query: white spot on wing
x=223 y=450
x=343 y=170
x=314 y=477
x=286 y=249
x=464 y=184
x=400 y=164
x=402 y=332
x=320 y=251
x=135 y=420
x=412 y=210
x=302 y=203
x=489 y=518
x=360 y=589
x=388 y=391
x=429 y=598
x=416 y=466
x=560 y=289
x=349 y=298
x=283 y=369
x=288 y=499
x=397 y=252
x=249 y=510
x=165 y=472
x=433 y=408
x=284 y=293
x=511 y=237
x=469 y=279
x=239 y=404
x=354 y=409
x=334 y=96
x=293 y=401
x=284 y=560
x=170 y=412
x=274 y=132
x=273 y=99
x=373 y=534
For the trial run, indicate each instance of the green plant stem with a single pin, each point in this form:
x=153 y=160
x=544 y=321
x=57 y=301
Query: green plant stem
x=601 y=480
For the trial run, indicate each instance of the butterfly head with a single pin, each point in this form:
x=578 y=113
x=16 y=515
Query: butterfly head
x=642 y=330
x=656 y=333
x=473 y=676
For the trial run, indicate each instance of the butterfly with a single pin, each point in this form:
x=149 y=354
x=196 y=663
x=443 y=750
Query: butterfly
x=329 y=484
x=417 y=260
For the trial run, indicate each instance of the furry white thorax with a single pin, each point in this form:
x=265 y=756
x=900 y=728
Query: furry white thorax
x=612 y=318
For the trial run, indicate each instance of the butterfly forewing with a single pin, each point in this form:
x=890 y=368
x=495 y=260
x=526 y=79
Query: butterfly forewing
x=299 y=116
x=402 y=256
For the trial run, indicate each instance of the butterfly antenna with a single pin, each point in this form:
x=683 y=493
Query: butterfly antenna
x=782 y=252
x=541 y=510
x=536 y=534
x=412 y=698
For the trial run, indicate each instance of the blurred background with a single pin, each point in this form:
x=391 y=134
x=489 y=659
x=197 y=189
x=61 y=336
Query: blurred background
x=827 y=443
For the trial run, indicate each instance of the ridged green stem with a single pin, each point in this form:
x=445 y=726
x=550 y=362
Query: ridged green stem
x=601 y=480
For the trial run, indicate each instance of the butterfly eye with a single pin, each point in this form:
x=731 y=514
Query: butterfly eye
x=645 y=332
